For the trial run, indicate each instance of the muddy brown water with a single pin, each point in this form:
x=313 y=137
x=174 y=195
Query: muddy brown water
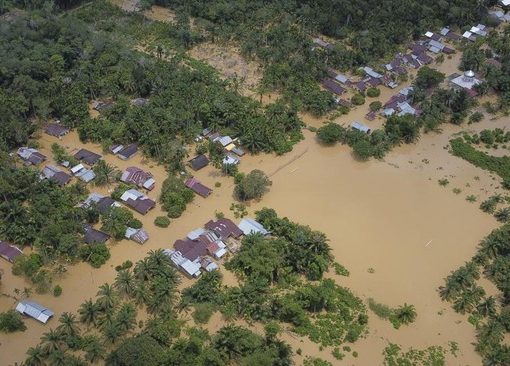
x=391 y=216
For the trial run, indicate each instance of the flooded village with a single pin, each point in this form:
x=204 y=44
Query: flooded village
x=397 y=231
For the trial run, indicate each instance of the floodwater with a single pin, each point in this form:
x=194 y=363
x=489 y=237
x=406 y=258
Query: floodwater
x=391 y=216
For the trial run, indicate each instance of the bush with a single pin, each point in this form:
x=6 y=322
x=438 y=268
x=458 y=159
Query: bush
x=358 y=99
x=11 y=321
x=27 y=265
x=375 y=106
x=175 y=196
x=203 y=312
x=476 y=117
x=340 y=270
x=373 y=92
x=253 y=186
x=330 y=133
x=162 y=221
x=57 y=291
x=96 y=254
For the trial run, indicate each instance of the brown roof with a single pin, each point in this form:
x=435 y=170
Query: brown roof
x=197 y=187
x=57 y=130
x=199 y=162
x=87 y=156
x=141 y=205
x=224 y=228
x=93 y=236
x=8 y=251
x=191 y=249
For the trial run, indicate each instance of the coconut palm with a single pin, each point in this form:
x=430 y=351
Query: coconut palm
x=58 y=358
x=107 y=298
x=94 y=350
x=111 y=332
x=126 y=317
x=124 y=283
x=142 y=271
x=406 y=314
x=141 y=294
x=487 y=307
x=52 y=341
x=105 y=173
x=68 y=325
x=89 y=312
x=35 y=356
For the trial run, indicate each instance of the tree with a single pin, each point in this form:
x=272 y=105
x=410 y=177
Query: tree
x=375 y=106
x=106 y=298
x=138 y=350
x=358 y=99
x=35 y=356
x=52 y=341
x=124 y=283
x=94 y=349
x=252 y=186
x=406 y=314
x=428 y=78
x=330 y=133
x=105 y=173
x=373 y=92
x=11 y=321
x=362 y=149
x=89 y=312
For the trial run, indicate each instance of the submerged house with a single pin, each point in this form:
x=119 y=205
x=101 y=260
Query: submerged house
x=466 y=81
x=34 y=310
x=93 y=236
x=103 y=204
x=138 y=201
x=191 y=269
x=250 y=226
x=224 y=228
x=82 y=173
x=360 y=127
x=9 y=252
x=31 y=156
x=197 y=187
x=56 y=175
x=87 y=156
x=56 y=130
x=139 y=236
x=138 y=177
x=332 y=86
x=199 y=162
x=124 y=152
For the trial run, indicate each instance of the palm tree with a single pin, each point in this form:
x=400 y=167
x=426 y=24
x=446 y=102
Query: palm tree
x=105 y=173
x=58 y=358
x=141 y=294
x=35 y=356
x=487 y=307
x=52 y=341
x=94 y=349
x=126 y=317
x=89 y=312
x=406 y=314
x=124 y=283
x=142 y=271
x=111 y=332
x=107 y=298
x=68 y=326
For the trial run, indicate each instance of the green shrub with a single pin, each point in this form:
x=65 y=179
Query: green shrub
x=375 y=106
x=373 y=92
x=57 y=291
x=358 y=99
x=340 y=270
x=162 y=221
x=11 y=321
x=96 y=254
x=330 y=133
x=203 y=312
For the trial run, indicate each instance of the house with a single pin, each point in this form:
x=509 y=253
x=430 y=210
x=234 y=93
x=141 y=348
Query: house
x=452 y=36
x=435 y=46
x=360 y=86
x=191 y=249
x=360 y=127
x=197 y=187
x=405 y=108
x=500 y=16
x=93 y=236
x=30 y=156
x=371 y=72
x=34 y=310
x=126 y=152
x=423 y=58
x=373 y=82
x=55 y=129
x=479 y=30
x=199 y=162
x=102 y=106
x=138 y=102
x=469 y=36
x=412 y=61
x=103 y=204
x=370 y=116
x=231 y=159
x=9 y=252
x=82 y=173
x=504 y=2
x=190 y=268
x=215 y=247
x=238 y=151
x=138 y=235
x=87 y=156
x=138 y=201
x=342 y=79
x=323 y=44
x=208 y=264
x=56 y=175
x=138 y=177
x=224 y=140
x=224 y=228
x=332 y=86
x=250 y=226
x=406 y=91
x=466 y=81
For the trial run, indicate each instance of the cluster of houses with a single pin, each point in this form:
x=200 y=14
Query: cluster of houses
x=400 y=104
x=203 y=247
x=26 y=307
x=475 y=32
x=233 y=152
